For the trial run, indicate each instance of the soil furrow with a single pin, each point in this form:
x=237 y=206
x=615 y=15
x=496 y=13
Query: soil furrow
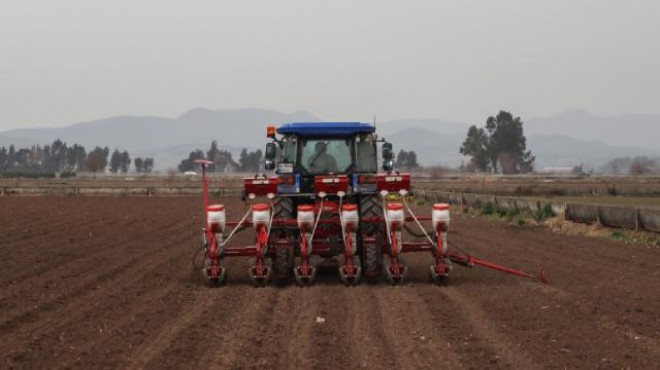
x=213 y=343
x=413 y=333
x=91 y=250
x=133 y=301
x=89 y=296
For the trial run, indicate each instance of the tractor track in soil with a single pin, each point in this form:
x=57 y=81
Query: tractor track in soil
x=127 y=297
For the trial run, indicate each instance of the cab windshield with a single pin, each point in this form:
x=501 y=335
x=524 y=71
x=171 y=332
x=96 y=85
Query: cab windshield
x=320 y=156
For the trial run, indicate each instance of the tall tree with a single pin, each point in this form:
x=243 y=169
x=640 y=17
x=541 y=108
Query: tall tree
x=501 y=147
x=125 y=162
x=406 y=160
x=120 y=161
x=222 y=159
x=75 y=158
x=188 y=164
x=250 y=161
x=115 y=161
x=11 y=157
x=243 y=160
x=213 y=155
x=144 y=165
x=137 y=162
x=97 y=159
x=476 y=146
x=4 y=156
x=148 y=165
x=35 y=159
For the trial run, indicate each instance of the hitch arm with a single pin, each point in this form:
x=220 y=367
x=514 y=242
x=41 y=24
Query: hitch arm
x=470 y=261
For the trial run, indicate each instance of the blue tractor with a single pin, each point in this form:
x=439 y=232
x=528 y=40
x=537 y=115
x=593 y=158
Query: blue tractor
x=327 y=201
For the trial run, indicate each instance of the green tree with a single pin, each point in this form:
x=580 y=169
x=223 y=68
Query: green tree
x=476 y=146
x=75 y=158
x=222 y=159
x=406 y=160
x=21 y=159
x=11 y=157
x=214 y=155
x=54 y=157
x=243 y=159
x=137 y=162
x=250 y=161
x=115 y=161
x=188 y=164
x=4 y=156
x=120 y=161
x=500 y=147
x=125 y=162
x=35 y=160
x=148 y=165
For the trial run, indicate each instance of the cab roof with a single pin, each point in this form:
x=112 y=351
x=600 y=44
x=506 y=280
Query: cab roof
x=325 y=128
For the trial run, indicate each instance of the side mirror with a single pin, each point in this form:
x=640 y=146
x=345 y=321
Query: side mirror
x=269 y=165
x=388 y=165
x=387 y=152
x=271 y=151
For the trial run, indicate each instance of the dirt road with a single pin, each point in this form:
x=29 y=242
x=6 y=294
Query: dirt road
x=108 y=283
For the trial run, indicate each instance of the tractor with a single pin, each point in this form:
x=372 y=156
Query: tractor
x=328 y=203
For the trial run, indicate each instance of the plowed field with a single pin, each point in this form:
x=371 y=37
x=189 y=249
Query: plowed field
x=108 y=283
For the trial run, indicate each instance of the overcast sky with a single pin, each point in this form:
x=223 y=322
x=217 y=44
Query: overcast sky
x=68 y=61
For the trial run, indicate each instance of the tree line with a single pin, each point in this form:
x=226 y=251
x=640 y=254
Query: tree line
x=253 y=161
x=641 y=165
x=58 y=157
x=223 y=160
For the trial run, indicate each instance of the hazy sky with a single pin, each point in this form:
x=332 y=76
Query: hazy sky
x=67 y=61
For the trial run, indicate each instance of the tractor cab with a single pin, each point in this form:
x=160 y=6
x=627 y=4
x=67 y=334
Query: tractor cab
x=311 y=152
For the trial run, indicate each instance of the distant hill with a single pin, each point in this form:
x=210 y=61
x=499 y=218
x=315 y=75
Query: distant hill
x=167 y=140
x=387 y=128
x=565 y=151
x=625 y=130
x=570 y=138
x=432 y=147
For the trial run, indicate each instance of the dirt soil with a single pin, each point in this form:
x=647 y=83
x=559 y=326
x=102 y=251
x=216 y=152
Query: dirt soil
x=108 y=283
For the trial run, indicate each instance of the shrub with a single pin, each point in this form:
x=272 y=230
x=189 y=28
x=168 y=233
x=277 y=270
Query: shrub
x=620 y=235
x=511 y=213
x=489 y=208
x=492 y=209
x=501 y=211
x=544 y=212
x=419 y=202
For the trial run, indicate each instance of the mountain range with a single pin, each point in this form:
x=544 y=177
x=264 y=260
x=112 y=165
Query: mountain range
x=567 y=139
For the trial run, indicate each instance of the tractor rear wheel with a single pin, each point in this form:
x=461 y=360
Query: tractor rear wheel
x=282 y=262
x=371 y=253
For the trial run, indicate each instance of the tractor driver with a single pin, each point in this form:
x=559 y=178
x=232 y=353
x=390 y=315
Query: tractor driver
x=321 y=161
